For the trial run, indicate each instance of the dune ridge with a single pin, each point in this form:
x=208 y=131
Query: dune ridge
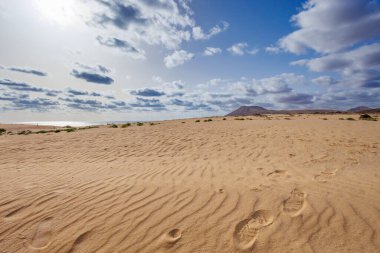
x=260 y=185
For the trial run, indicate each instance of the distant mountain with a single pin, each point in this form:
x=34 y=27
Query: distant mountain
x=359 y=109
x=254 y=110
x=248 y=110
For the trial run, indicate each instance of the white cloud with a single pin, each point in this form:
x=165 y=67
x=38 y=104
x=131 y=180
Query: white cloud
x=177 y=58
x=238 y=48
x=359 y=67
x=209 y=51
x=157 y=79
x=329 y=26
x=253 y=51
x=241 y=48
x=273 y=50
x=343 y=33
x=198 y=33
x=276 y=84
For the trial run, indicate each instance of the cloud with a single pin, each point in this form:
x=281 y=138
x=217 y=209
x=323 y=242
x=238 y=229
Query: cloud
x=273 y=85
x=147 y=92
x=242 y=49
x=348 y=98
x=296 y=98
x=209 y=51
x=122 y=45
x=27 y=71
x=20 y=86
x=92 y=77
x=166 y=23
x=82 y=93
x=177 y=58
x=24 y=102
x=198 y=33
x=358 y=67
x=238 y=48
x=191 y=105
x=344 y=34
x=37 y=103
x=329 y=26
x=273 y=50
x=324 y=80
x=121 y=15
x=93 y=104
x=98 y=68
x=154 y=104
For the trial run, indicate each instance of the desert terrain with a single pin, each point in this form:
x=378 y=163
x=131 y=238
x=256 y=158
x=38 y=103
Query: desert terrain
x=306 y=183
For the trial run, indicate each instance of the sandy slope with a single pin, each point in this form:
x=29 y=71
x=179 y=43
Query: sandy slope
x=299 y=185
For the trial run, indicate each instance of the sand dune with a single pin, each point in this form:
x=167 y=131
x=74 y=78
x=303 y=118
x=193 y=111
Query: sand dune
x=299 y=185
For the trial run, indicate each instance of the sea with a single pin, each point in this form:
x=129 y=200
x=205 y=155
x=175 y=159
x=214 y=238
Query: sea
x=70 y=123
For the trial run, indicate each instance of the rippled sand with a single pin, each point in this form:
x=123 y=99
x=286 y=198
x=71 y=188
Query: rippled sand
x=261 y=185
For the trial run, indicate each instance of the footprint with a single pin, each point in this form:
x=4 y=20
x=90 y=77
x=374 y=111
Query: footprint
x=42 y=236
x=276 y=173
x=80 y=239
x=247 y=231
x=295 y=203
x=171 y=237
x=326 y=175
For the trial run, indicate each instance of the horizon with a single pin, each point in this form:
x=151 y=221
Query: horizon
x=143 y=60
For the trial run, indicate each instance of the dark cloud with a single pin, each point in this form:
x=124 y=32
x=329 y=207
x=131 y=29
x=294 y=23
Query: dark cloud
x=190 y=105
x=180 y=102
x=119 y=103
x=52 y=93
x=349 y=98
x=220 y=95
x=27 y=71
x=83 y=93
x=39 y=104
x=147 y=93
x=92 y=104
x=159 y=4
x=20 y=101
x=296 y=98
x=154 y=104
x=20 y=86
x=121 y=45
x=92 y=77
x=201 y=106
x=122 y=15
x=77 y=92
x=176 y=94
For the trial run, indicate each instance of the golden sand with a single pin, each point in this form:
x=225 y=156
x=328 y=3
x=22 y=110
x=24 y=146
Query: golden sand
x=261 y=185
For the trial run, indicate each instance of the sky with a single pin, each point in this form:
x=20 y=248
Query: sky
x=107 y=60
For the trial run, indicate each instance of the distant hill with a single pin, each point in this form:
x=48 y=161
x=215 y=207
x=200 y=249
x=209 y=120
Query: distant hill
x=359 y=109
x=248 y=110
x=256 y=110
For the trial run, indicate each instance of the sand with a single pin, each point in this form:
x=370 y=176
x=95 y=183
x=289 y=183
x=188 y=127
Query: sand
x=261 y=185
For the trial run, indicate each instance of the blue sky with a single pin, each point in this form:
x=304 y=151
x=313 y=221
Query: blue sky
x=160 y=59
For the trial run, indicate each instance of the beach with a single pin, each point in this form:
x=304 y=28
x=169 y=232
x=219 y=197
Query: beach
x=278 y=183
